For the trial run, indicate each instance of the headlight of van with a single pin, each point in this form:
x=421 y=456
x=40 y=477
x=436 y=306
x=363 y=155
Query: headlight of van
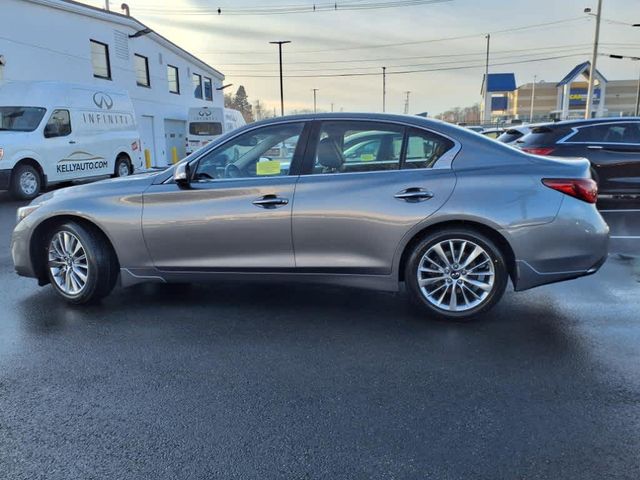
x=24 y=212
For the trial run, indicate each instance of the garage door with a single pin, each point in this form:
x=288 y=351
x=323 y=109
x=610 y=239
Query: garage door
x=174 y=134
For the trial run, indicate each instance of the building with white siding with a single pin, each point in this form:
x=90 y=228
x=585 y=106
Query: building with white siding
x=68 y=41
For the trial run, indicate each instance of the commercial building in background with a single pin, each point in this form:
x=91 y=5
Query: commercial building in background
x=559 y=100
x=68 y=41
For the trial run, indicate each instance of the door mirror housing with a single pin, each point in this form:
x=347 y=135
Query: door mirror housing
x=182 y=175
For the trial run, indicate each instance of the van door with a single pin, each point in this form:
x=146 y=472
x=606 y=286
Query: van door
x=59 y=149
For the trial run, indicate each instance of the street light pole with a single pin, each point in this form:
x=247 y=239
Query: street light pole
x=280 y=43
x=315 y=92
x=384 y=89
x=533 y=98
x=636 y=59
x=487 y=114
x=594 y=58
x=406 y=102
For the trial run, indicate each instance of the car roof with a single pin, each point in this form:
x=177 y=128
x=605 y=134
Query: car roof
x=591 y=121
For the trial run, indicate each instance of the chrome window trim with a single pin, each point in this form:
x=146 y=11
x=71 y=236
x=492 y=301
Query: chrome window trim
x=575 y=130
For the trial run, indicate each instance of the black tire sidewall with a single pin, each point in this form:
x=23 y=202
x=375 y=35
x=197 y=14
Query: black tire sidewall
x=120 y=160
x=97 y=260
x=499 y=263
x=15 y=189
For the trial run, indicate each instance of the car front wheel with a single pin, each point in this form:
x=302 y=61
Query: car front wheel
x=80 y=264
x=456 y=274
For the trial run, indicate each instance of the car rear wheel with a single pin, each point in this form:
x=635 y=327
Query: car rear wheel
x=80 y=264
x=26 y=182
x=456 y=274
x=123 y=167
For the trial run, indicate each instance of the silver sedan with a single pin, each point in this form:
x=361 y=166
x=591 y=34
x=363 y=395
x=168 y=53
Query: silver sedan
x=361 y=200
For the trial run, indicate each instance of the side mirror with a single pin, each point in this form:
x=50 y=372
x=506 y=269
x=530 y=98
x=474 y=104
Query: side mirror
x=182 y=175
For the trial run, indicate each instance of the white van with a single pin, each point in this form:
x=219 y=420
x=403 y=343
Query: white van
x=233 y=119
x=53 y=132
x=203 y=125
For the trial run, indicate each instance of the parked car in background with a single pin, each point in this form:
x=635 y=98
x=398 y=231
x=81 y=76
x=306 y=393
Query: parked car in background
x=612 y=145
x=52 y=132
x=511 y=134
x=492 y=132
x=203 y=125
x=451 y=214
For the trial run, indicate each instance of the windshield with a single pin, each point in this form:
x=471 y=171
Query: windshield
x=205 y=128
x=20 y=119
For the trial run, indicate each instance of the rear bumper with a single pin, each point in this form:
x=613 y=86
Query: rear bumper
x=575 y=244
x=5 y=179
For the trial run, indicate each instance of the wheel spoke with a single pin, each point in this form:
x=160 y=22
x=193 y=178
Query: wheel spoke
x=453 y=301
x=429 y=270
x=472 y=256
x=428 y=281
x=481 y=285
x=462 y=247
x=440 y=252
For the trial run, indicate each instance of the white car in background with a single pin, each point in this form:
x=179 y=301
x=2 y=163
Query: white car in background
x=513 y=134
x=53 y=132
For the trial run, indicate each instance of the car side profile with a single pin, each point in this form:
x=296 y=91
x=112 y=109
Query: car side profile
x=612 y=145
x=450 y=214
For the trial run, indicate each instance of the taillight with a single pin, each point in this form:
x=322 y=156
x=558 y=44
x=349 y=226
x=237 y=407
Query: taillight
x=584 y=189
x=538 y=150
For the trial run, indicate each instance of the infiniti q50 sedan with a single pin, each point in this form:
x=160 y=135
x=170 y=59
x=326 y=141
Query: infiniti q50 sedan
x=363 y=200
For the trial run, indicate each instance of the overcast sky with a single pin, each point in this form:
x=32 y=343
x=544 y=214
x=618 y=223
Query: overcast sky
x=354 y=42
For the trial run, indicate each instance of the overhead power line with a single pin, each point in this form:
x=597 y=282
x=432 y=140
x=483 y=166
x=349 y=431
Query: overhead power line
x=317 y=7
x=404 y=72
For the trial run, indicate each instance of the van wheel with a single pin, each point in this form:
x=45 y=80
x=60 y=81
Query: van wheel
x=26 y=182
x=123 y=167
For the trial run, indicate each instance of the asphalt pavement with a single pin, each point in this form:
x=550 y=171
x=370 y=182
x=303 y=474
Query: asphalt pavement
x=296 y=382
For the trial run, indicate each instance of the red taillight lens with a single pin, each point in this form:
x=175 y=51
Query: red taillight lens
x=584 y=189
x=538 y=150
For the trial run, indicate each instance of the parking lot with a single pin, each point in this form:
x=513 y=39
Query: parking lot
x=292 y=381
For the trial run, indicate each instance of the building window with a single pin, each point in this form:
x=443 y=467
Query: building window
x=197 y=85
x=100 y=60
x=174 y=79
x=142 y=71
x=208 y=90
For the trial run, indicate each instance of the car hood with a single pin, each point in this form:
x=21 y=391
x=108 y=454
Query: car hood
x=129 y=185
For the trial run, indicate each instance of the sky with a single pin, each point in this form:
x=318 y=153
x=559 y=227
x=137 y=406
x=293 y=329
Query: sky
x=362 y=41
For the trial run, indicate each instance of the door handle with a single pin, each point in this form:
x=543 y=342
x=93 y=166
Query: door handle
x=414 y=194
x=72 y=141
x=270 y=201
x=594 y=147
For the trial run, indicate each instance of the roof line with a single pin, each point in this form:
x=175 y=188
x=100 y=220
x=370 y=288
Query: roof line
x=127 y=20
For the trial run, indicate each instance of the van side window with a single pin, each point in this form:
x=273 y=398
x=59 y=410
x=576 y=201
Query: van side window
x=59 y=124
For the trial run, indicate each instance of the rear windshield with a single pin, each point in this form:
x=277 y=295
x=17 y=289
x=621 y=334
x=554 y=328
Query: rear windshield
x=510 y=136
x=20 y=119
x=205 y=128
x=543 y=136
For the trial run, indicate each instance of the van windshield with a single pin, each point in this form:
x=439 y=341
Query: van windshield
x=205 y=128
x=20 y=119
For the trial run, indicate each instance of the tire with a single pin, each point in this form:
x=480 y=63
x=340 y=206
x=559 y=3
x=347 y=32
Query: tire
x=26 y=182
x=123 y=167
x=99 y=267
x=440 y=279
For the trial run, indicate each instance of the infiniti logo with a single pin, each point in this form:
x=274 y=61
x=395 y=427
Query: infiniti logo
x=102 y=100
x=204 y=113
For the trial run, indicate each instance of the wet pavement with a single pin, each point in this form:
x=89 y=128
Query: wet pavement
x=294 y=381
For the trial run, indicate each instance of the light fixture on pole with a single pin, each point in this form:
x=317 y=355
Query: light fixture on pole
x=280 y=43
x=623 y=57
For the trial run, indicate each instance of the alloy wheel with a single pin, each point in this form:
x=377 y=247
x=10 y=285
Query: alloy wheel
x=68 y=263
x=456 y=275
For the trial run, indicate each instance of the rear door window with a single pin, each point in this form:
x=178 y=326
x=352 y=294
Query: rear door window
x=626 y=132
x=425 y=148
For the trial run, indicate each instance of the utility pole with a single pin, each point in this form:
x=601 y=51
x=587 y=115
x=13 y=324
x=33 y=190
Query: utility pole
x=315 y=93
x=637 y=112
x=533 y=98
x=384 y=89
x=594 y=58
x=487 y=111
x=331 y=107
x=280 y=43
x=406 y=102
x=635 y=59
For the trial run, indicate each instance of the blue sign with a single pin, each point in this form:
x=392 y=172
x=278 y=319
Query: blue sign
x=499 y=103
x=578 y=97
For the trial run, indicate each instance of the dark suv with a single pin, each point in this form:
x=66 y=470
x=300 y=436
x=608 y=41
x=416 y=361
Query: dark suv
x=612 y=145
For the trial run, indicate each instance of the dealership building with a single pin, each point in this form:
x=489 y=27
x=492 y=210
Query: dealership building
x=561 y=100
x=73 y=42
